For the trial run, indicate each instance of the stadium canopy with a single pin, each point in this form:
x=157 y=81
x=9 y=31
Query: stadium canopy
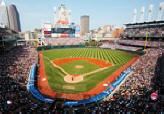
x=152 y=22
x=145 y=24
x=7 y=31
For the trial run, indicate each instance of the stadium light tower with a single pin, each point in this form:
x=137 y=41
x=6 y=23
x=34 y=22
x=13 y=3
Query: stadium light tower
x=70 y=15
x=142 y=14
x=150 y=12
x=54 y=15
x=161 y=11
x=134 y=15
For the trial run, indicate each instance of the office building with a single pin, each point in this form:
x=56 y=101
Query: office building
x=5 y=16
x=84 y=25
x=14 y=18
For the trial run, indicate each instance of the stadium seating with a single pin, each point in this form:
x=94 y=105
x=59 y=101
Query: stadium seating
x=140 y=43
x=156 y=32
x=63 y=41
x=109 y=45
x=132 y=95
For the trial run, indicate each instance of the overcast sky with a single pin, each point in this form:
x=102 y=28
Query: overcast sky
x=33 y=13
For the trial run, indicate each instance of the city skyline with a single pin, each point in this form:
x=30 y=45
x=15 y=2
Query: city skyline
x=34 y=13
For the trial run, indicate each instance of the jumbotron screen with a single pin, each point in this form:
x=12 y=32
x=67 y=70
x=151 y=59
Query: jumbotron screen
x=63 y=30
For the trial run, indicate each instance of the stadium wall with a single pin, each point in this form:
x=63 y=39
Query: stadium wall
x=31 y=86
x=41 y=48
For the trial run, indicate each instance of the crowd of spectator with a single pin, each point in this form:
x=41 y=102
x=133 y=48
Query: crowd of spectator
x=16 y=63
x=63 y=41
x=132 y=45
x=14 y=71
x=113 y=45
x=141 y=32
x=141 y=43
x=132 y=95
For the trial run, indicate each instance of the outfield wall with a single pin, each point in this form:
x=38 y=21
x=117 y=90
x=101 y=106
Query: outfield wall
x=41 y=48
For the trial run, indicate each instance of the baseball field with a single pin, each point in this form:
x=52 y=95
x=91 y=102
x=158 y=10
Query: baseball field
x=79 y=70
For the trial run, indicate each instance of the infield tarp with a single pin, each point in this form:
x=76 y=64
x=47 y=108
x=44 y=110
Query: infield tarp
x=33 y=90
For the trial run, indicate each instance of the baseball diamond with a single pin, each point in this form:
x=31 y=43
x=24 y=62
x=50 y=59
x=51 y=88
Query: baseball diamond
x=78 y=71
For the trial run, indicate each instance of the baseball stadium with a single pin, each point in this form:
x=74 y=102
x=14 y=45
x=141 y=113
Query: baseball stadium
x=66 y=68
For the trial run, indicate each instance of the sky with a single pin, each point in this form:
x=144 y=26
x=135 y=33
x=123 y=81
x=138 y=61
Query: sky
x=33 y=13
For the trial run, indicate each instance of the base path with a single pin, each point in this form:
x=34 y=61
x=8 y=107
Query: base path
x=59 y=68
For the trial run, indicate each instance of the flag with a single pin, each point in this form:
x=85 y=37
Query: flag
x=154 y=96
x=9 y=102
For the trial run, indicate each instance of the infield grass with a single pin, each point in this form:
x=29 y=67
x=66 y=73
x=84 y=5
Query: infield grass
x=71 y=68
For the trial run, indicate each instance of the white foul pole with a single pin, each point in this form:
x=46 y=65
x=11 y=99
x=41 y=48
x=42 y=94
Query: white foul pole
x=70 y=16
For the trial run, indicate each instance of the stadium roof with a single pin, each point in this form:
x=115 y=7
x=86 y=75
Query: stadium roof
x=145 y=24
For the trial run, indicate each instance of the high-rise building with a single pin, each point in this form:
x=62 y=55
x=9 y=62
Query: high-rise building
x=14 y=18
x=84 y=24
x=5 y=16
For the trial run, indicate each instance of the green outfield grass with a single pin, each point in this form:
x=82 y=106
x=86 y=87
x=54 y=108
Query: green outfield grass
x=56 y=76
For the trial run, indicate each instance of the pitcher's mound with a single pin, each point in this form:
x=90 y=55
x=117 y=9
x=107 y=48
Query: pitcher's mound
x=79 y=66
